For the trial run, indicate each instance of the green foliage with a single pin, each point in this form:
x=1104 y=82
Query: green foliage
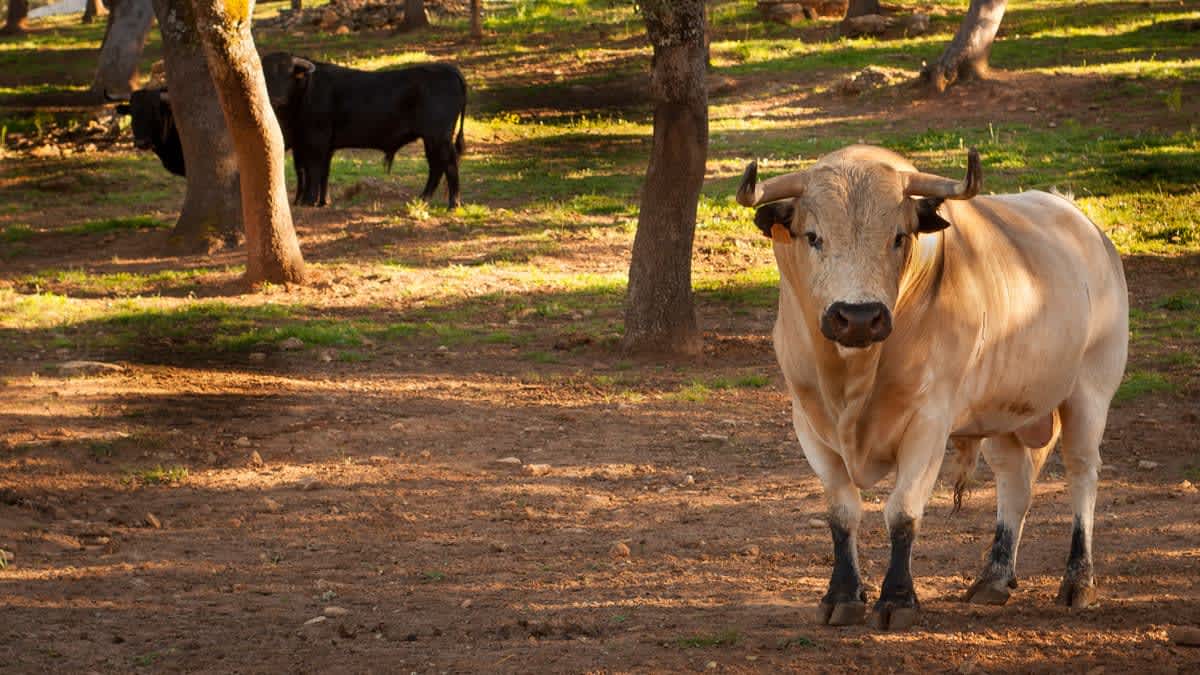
x=1138 y=383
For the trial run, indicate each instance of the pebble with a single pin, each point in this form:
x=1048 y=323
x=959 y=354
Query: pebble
x=153 y=521
x=308 y=483
x=689 y=479
x=537 y=469
x=1187 y=636
x=714 y=437
x=271 y=506
x=816 y=522
x=242 y=442
x=711 y=665
x=291 y=344
x=619 y=550
x=1186 y=486
x=1147 y=464
x=88 y=368
x=326 y=355
x=257 y=356
x=594 y=502
x=466 y=604
x=315 y=620
x=334 y=611
x=256 y=459
x=515 y=461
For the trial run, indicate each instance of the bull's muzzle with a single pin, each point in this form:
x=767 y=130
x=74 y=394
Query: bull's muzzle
x=142 y=143
x=856 y=324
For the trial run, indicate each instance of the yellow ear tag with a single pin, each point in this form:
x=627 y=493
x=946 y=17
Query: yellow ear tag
x=781 y=234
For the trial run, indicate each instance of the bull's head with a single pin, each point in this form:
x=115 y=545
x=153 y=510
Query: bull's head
x=846 y=228
x=151 y=117
x=286 y=76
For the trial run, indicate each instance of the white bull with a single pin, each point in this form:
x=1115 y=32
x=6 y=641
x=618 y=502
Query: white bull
x=905 y=320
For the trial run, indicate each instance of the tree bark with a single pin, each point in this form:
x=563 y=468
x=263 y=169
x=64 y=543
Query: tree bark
x=476 y=19
x=297 y=5
x=18 y=12
x=414 y=14
x=128 y=26
x=272 y=250
x=660 y=314
x=966 y=57
x=211 y=215
x=93 y=9
x=861 y=8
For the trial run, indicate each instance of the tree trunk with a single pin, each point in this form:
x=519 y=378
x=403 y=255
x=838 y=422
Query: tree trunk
x=476 y=19
x=660 y=315
x=967 y=55
x=128 y=26
x=18 y=11
x=93 y=9
x=211 y=215
x=414 y=14
x=297 y=5
x=862 y=8
x=272 y=251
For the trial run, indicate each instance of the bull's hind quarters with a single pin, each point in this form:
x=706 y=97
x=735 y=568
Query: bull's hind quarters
x=914 y=311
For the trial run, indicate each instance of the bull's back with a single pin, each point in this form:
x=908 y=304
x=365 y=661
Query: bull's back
x=1045 y=289
x=384 y=110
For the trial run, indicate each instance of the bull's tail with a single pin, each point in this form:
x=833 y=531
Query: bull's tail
x=962 y=467
x=387 y=160
x=459 y=142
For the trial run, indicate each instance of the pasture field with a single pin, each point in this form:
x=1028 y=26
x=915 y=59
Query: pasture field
x=261 y=455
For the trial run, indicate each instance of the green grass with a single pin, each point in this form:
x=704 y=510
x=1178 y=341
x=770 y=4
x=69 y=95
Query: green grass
x=726 y=638
x=160 y=476
x=15 y=233
x=106 y=225
x=1140 y=383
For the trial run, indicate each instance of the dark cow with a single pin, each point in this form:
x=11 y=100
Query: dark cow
x=322 y=108
x=154 y=127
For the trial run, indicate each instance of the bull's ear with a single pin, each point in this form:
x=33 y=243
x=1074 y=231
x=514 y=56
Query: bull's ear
x=124 y=109
x=775 y=213
x=928 y=219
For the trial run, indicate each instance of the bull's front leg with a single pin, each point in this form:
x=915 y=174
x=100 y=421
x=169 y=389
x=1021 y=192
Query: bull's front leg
x=845 y=602
x=918 y=460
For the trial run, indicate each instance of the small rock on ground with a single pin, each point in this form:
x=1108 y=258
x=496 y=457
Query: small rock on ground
x=537 y=469
x=153 y=521
x=270 y=505
x=315 y=620
x=88 y=368
x=515 y=461
x=291 y=344
x=1147 y=464
x=619 y=550
x=335 y=611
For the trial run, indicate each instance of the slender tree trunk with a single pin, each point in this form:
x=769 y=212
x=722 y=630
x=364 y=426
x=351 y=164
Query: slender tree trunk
x=967 y=55
x=93 y=9
x=414 y=14
x=18 y=11
x=128 y=26
x=862 y=8
x=476 y=19
x=272 y=250
x=211 y=215
x=660 y=315
x=297 y=5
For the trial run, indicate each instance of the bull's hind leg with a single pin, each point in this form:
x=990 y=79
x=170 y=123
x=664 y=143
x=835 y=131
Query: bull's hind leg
x=845 y=602
x=1083 y=416
x=437 y=166
x=1016 y=468
x=451 y=174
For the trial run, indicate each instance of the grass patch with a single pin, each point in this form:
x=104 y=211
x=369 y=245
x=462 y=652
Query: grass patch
x=723 y=639
x=160 y=475
x=114 y=225
x=1139 y=383
x=15 y=233
x=1184 y=301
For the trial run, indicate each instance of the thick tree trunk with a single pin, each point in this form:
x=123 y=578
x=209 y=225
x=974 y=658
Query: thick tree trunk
x=272 y=251
x=93 y=9
x=211 y=215
x=476 y=19
x=128 y=26
x=414 y=14
x=967 y=55
x=18 y=11
x=660 y=315
x=862 y=8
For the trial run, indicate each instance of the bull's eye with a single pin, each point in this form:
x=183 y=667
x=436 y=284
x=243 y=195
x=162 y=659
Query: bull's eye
x=899 y=242
x=813 y=240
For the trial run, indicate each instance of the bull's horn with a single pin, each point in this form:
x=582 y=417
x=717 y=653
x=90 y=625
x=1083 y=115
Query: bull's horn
x=919 y=184
x=752 y=193
x=299 y=64
x=115 y=99
x=164 y=97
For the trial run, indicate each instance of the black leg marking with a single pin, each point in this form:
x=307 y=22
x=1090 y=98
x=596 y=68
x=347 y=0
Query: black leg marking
x=846 y=601
x=897 y=606
x=994 y=585
x=1078 y=588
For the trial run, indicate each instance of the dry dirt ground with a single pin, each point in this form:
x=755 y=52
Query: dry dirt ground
x=354 y=517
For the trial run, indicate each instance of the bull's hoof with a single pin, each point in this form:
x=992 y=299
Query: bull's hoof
x=990 y=591
x=894 y=616
x=1077 y=593
x=849 y=613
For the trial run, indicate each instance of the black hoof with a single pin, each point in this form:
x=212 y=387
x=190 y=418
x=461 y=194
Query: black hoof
x=894 y=615
x=1077 y=593
x=850 y=613
x=991 y=590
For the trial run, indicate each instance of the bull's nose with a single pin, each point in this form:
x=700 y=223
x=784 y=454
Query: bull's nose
x=856 y=324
